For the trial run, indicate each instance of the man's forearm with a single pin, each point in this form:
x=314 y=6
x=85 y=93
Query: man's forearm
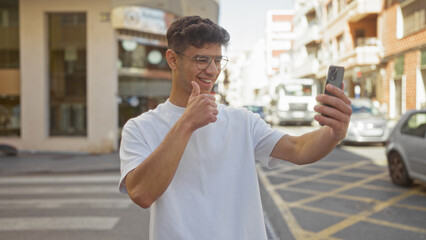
x=316 y=145
x=148 y=181
x=307 y=148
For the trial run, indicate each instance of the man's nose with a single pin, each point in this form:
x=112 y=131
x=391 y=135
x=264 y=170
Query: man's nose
x=212 y=68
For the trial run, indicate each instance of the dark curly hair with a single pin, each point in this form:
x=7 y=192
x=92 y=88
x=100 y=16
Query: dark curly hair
x=194 y=31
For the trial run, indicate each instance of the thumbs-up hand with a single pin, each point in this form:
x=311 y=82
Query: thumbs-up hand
x=201 y=108
x=195 y=89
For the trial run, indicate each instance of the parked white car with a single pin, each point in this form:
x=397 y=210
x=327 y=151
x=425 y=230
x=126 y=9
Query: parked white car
x=367 y=124
x=406 y=148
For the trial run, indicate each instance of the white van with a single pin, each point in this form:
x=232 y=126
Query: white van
x=295 y=101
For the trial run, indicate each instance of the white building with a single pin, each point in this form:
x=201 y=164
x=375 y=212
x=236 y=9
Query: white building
x=307 y=46
x=72 y=72
x=279 y=41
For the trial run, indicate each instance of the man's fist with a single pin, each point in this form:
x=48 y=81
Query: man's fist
x=201 y=108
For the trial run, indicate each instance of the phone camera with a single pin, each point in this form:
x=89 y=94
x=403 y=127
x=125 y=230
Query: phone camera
x=333 y=75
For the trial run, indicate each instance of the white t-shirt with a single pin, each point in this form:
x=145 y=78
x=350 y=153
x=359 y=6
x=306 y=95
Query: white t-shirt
x=214 y=193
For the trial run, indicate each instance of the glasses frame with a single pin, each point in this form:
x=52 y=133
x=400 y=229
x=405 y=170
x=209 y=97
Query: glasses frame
x=209 y=59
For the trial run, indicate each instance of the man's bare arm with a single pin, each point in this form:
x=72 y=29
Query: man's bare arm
x=150 y=179
x=313 y=146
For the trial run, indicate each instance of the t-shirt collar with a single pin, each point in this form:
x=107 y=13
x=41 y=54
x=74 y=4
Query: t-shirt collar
x=173 y=107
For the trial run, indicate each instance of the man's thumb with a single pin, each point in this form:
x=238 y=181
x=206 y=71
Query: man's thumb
x=195 y=89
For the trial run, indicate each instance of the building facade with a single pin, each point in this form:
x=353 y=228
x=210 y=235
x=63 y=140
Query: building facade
x=402 y=27
x=339 y=32
x=381 y=44
x=72 y=72
x=279 y=41
x=307 y=46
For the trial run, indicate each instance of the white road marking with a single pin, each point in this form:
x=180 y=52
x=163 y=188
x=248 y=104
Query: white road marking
x=60 y=179
x=58 y=223
x=58 y=190
x=376 y=154
x=109 y=203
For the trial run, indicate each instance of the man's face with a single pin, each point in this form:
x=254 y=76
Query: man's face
x=189 y=71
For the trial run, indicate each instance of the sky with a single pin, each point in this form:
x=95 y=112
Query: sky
x=245 y=20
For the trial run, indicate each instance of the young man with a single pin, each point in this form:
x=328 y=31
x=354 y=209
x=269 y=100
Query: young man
x=193 y=162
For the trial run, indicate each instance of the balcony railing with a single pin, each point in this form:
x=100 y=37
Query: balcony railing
x=367 y=41
x=308 y=67
x=367 y=50
x=358 y=9
x=309 y=35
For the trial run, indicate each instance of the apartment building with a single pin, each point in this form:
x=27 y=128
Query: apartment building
x=349 y=38
x=308 y=43
x=339 y=32
x=279 y=41
x=73 y=72
x=381 y=44
x=402 y=27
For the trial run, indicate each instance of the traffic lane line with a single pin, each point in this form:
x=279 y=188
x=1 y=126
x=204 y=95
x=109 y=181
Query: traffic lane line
x=378 y=182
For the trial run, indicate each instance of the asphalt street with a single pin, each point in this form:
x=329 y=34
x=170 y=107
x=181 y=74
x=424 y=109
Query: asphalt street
x=65 y=196
x=347 y=195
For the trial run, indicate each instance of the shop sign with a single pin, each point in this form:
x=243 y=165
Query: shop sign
x=142 y=19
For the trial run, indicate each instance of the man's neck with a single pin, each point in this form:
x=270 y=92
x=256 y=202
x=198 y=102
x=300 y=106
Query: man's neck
x=178 y=101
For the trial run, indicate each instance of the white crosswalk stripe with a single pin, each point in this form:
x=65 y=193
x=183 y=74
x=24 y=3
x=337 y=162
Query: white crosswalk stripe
x=29 y=180
x=63 y=203
x=57 y=190
x=32 y=195
x=58 y=223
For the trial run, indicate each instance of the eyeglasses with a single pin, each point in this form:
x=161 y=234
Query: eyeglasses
x=203 y=61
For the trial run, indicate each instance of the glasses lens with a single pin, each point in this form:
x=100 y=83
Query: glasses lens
x=223 y=63
x=203 y=62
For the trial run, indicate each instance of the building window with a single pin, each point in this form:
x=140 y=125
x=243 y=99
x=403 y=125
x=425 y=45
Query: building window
x=389 y=3
x=342 y=5
x=138 y=95
x=399 y=67
x=423 y=59
x=144 y=77
x=330 y=14
x=67 y=74
x=132 y=54
x=341 y=45
x=332 y=48
x=422 y=92
x=399 y=71
x=414 y=16
x=10 y=117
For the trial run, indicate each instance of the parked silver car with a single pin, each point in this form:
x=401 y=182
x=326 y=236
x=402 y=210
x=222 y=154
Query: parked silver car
x=367 y=124
x=406 y=148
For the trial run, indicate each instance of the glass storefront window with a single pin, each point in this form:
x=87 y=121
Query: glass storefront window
x=68 y=74
x=143 y=81
x=10 y=113
x=136 y=55
x=10 y=116
x=9 y=32
x=138 y=95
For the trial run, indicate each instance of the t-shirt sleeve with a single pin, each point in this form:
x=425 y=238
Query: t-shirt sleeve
x=264 y=140
x=133 y=150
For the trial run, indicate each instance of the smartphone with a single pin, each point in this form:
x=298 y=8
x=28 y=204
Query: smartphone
x=334 y=77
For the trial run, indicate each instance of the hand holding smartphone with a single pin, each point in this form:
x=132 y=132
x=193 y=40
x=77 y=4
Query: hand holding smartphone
x=335 y=78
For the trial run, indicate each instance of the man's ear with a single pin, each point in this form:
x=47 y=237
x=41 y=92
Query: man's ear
x=171 y=59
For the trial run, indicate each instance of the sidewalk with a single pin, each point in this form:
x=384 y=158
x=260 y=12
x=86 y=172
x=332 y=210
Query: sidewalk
x=51 y=163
